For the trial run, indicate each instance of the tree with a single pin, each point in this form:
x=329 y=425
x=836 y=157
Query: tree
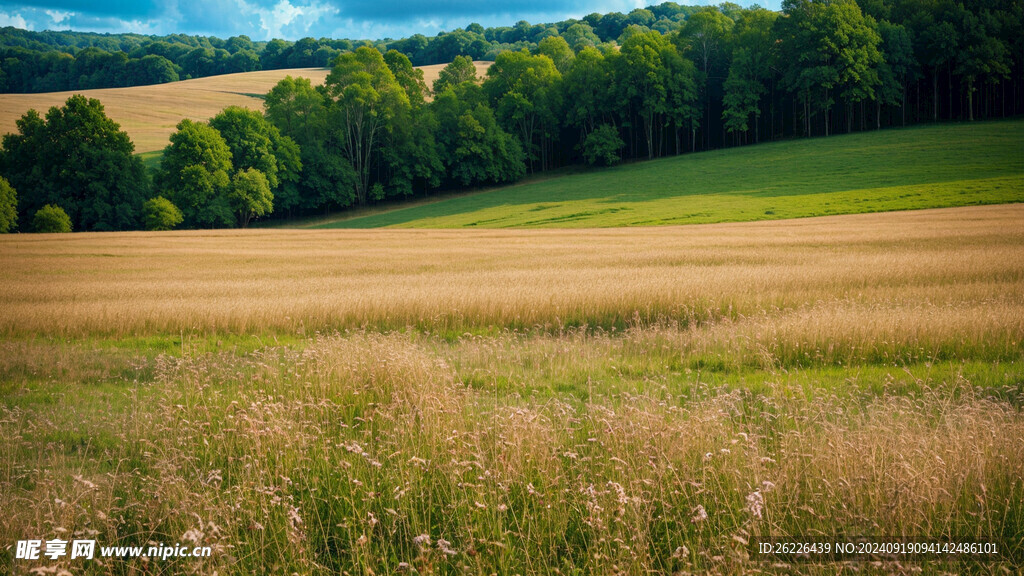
x=602 y=146
x=409 y=78
x=247 y=134
x=580 y=35
x=982 y=54
x=556 y=48
x=327 y=179
x=705 y=37
x=829 y=47
x=51 y=219
x=79 y=159
x=648 y=81
x=161 y=214
x=898 y=68
x=589 y=84
x=194 y=174
x=472 y=146
x=250 y=195
x=526 y=93
x=750 y=72
x=256 y=143
x=743 y=92
x=460 y=70
x=365 y=97
x=8 y=207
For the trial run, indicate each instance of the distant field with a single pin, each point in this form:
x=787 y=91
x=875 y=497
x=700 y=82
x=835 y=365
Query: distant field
x=307 y=280
x=629 y=401
x=150 y=113
x=922 y=167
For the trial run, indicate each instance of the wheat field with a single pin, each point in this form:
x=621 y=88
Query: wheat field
x=149 y=114
x=588 y=402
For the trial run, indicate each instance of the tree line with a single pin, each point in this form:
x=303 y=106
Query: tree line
x=374 y=130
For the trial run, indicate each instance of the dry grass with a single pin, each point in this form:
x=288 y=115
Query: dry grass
x=150 y=113
x=928 y=276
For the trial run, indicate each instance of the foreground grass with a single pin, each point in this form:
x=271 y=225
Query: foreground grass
x=921 y=167
x=628 y=401
x=576 y=453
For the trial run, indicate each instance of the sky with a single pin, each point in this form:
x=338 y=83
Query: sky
x=294 y=19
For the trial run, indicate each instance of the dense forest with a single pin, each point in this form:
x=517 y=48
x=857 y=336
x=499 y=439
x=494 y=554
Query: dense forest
x=659 y=81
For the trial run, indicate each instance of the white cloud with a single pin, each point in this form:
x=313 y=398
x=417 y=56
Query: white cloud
x=15 y=20
x=284 y=15
x=59 y=16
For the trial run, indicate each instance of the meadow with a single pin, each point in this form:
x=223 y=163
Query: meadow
x=602 y=401
x=149 y=114
x=920 y=167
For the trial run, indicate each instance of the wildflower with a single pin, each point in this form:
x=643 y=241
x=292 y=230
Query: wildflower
x=422 y=542
x=699 y=514
x=445 y=546
x=755 y=503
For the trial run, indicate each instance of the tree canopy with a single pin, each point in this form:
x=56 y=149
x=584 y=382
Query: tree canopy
x=79 y=159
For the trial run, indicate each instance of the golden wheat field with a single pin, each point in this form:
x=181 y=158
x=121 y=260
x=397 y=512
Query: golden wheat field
x=587 y=402
x=956 y=272
x=149 y=114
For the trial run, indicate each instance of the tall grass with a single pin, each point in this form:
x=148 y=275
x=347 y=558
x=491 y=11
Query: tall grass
x=389 y=453
x=931 y=278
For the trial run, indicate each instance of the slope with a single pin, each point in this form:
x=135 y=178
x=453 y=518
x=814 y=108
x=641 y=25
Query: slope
x=922 y=167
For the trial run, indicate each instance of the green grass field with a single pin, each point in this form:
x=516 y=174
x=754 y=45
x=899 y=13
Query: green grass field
x=923 y=167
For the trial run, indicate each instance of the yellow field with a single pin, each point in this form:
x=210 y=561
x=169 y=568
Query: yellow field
x=959 y=271
x=150 y=113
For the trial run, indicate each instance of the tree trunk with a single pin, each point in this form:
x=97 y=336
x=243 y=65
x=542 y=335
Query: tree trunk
x=970 y=99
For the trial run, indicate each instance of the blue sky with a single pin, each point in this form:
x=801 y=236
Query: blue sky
x=294 y=19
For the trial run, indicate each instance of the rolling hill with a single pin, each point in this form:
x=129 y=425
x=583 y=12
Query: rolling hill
x=922 y=167
x=150 y=113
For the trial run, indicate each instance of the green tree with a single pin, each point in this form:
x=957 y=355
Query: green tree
x=588 y=86
x=556 y=48
x=750 y=71
x=705 y=38
x=365 y=97
x=830 y=48
x=580 y=35
x=602 y=146
x=327 y=179
x=898 y=68
x=649 y=73
x=161 y=214
x=80 y=159
x=256 y=143
x=51 y=219
x=982 y=54
x=460 y=70
x=472 y=146
x=526 y=92
x=409 y=78
x=194 y=174
x=250 y=196
x=8 y=207
x=248 y=136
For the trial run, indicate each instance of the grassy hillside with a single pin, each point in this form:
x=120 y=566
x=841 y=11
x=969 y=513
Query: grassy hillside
x=922 y=167
x=150 y=113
